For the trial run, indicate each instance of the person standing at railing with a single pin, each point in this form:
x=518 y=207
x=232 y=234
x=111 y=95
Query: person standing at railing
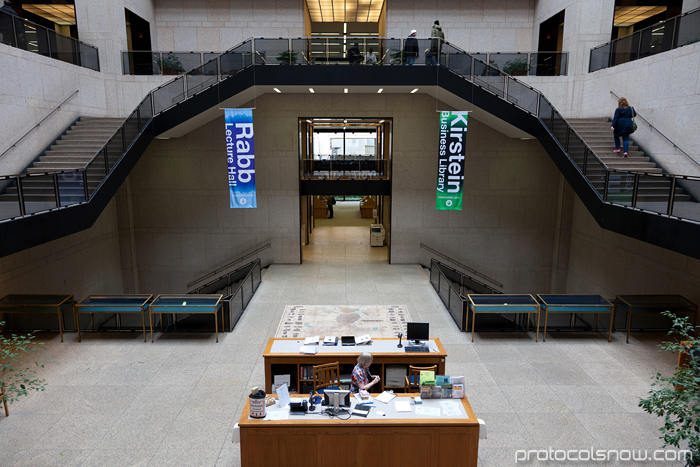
x=6 y=31
x=370 y=58
x=622 y=125
x=410 y=48
x=354 y=55
x=436 y=39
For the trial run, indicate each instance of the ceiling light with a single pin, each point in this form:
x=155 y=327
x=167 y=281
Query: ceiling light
x=311 y=90
x=345 y=90
x=413 y=92
x=380 y=90
x=277 y=90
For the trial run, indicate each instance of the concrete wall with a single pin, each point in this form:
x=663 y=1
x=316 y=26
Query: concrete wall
x=474 y=25
x=506 y=229
x=610 y=264
x=222 y=24
x=84 y=263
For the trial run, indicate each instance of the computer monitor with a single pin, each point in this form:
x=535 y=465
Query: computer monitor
x=417 y=332
x=337 y=397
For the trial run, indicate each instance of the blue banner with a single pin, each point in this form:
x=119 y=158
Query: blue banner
x=240 y=155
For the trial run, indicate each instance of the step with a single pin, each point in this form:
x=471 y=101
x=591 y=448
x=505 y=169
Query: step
x=69 y=142
x=70 y=152
x=83 y=159
x=95 y=132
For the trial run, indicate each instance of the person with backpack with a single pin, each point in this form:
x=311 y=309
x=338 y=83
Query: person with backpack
x=622 y=125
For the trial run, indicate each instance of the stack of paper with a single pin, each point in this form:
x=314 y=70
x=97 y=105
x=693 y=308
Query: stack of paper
x=307 y=349
x=385 y=397
x=312 y=340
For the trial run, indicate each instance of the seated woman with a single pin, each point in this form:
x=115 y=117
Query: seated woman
x=361 y=377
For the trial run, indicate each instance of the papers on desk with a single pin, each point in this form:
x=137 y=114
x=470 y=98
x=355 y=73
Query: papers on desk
x=364 y=339
x=312 y=340
x=277 y=415
x=283 y=395
x=429 y=411
x=307 y=349
x=360 y=400
x=450 y=408
x=385 y=397
x=402 y=406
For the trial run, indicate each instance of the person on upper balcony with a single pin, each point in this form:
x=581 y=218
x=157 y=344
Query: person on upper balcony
x=437 y=37
x=410 y=49
x=622 y=125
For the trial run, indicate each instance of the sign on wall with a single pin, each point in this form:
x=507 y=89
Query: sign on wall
x=240 y=155
x=452 y=149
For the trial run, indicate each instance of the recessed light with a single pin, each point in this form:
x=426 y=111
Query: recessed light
x=345 y=90
x=311 y=90
x=276 y=90
x=379 y=91
x=412 y=92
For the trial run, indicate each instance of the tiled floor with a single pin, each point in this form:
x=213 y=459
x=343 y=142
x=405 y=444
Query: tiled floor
x=116 y=401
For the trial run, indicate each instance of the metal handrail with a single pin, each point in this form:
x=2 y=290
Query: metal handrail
x=639 y=33
x=40 y=122
x=49 y=32
x=638 y=115
x=229 y=264
x=473 y=271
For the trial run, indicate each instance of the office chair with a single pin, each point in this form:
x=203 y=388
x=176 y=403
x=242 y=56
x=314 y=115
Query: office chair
x=413 y=378
x=326 y=376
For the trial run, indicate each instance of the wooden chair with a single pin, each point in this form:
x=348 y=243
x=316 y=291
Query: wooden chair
x=326 y=376
x=413 y=378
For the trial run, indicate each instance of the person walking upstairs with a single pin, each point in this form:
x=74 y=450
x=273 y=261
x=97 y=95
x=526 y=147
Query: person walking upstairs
x=622 y=125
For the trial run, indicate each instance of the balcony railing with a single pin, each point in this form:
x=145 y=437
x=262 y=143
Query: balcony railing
x=661 y=37
x=325 y=51
x=135 y=62
x=345 y=167
x=26 y=35
x=58 y=189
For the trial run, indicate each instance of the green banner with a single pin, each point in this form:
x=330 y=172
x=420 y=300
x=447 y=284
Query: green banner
x=450 y=184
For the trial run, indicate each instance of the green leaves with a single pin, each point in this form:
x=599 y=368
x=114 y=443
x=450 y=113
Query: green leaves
x=18 y=358
x=677 y=398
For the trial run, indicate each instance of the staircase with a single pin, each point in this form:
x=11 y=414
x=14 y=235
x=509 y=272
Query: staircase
x=597 y=134
x=73 y=150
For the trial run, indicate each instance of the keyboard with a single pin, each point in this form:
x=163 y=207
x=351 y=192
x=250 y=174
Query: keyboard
x=417 y=348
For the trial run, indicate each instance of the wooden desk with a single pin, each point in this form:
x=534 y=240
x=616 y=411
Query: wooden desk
x=282 y=357
x=402 y=440
x=27 y=304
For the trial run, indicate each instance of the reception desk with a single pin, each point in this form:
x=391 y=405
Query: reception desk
x=400 y=439
x=282 y=357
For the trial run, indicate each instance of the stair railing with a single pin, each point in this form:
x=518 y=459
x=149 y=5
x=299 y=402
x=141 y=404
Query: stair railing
x=228 y=266
x=281 y=51
x=40 y=122
x=465 y=268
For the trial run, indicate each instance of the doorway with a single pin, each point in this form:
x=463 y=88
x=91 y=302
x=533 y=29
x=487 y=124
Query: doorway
x=138 y=39
x=551 y=38
x=345 y=177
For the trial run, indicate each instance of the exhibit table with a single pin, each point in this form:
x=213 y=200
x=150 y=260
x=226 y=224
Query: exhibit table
x=199 y=304
x=577 y=304
x=116 y=304
x=282 y=356
x=37 y=303
x=501 y=303
x=436 y=433
x=653 y=304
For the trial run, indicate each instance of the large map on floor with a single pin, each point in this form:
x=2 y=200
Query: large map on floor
x=343 y=320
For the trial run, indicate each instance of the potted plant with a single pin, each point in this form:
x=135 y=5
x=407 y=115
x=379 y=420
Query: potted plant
x=288 y=57
x=18 y=361
x=677 y=398
x=517 y=67
x=171 y=65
